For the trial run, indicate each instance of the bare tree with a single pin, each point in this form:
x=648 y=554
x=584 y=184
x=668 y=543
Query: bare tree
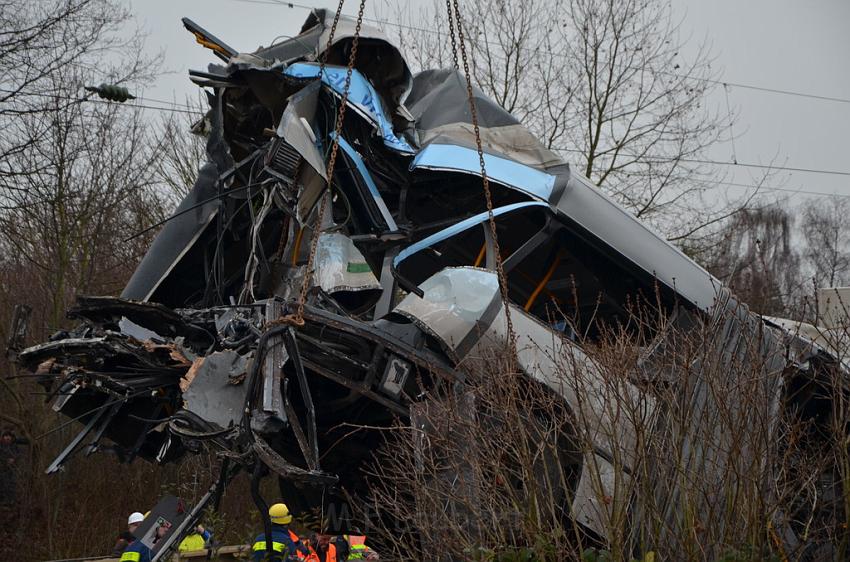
x=90 y=186
x=76 y=180
x=759 y=260
x=607 y=85
x=40 y=40
x=827 y=236
x=183 y=150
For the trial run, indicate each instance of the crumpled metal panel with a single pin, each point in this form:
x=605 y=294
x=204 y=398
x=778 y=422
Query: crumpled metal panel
x=361 y=95
x=295 y=126
x=450 y=157
x=177 y=236
x=438 y=102
x=455 y=304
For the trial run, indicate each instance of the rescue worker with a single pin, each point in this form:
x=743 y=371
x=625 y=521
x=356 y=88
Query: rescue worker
x=196 y=540
x=284 y=542
x=358 y=548
x=326 y=550
x=137 y=552
x=126 y=538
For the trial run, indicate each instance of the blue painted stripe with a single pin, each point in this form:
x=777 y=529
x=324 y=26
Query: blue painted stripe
x=360 y=93
x=367 y=177
x=459 y=227
x=502 y=170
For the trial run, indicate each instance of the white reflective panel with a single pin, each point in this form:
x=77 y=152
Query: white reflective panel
x=455 y=300
x=341 y=267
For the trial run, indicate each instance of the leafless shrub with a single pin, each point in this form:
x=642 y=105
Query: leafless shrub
x=690 y=439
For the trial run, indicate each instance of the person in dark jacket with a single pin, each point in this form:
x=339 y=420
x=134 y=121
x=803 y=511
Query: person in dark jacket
x=284 y=542
x=126 y=538
x=137 y=552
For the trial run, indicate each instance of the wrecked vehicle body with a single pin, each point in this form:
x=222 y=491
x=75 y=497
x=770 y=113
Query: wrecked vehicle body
x=402 y=286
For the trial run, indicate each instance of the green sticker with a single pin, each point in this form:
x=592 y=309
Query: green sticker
x=358 y=267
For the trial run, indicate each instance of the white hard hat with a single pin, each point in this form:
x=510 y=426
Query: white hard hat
x=135 y=517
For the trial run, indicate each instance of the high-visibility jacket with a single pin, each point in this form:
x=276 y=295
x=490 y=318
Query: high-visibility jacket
x=284 y=543
x=137 y=552
x=307 y=556
x=192 y=542
x=357 y=544
x=328 y=556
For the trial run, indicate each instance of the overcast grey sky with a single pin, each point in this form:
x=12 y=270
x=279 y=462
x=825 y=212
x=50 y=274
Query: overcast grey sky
x=788 y=45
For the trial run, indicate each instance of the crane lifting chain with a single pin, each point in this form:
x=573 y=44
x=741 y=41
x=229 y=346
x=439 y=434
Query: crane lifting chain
x=297 y=319
x=456 y=23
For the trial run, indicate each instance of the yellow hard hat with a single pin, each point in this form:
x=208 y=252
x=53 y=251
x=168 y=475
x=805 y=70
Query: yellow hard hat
x=146 y=514
x=279 y=514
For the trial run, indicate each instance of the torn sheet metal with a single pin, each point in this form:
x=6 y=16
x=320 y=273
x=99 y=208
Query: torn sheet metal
x=217 y=393
x=439 y=104
x=296 y=129
x=361 y=95
x=449 y=157
x=177 y=237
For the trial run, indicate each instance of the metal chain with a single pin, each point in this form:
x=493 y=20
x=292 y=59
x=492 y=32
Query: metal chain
x=500 y=271
x=323 y=61
x=452 y=31
x=298 y=318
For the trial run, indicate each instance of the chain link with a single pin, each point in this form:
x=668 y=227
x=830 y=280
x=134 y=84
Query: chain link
x=297 y=319
x=500 y=271
x=324 y=59
x=452 y=31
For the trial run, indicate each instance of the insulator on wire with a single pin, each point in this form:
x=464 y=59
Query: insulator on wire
x=112 y=92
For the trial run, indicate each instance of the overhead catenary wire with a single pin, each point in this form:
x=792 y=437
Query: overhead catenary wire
x=791 y=190
x=166 y=106
x=182 y=108
x=718 y=163
x=178 y=109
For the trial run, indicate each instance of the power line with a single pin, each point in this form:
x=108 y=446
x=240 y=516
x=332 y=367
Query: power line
x=742 y=85
x=721 y=163
x=171 y=106
x=768 y=167
x=178 y=108
x=777 y=91
x=797 y=191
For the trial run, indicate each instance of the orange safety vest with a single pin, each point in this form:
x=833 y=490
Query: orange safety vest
x=330 y=555
x=358 y=547
x=311 y=556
